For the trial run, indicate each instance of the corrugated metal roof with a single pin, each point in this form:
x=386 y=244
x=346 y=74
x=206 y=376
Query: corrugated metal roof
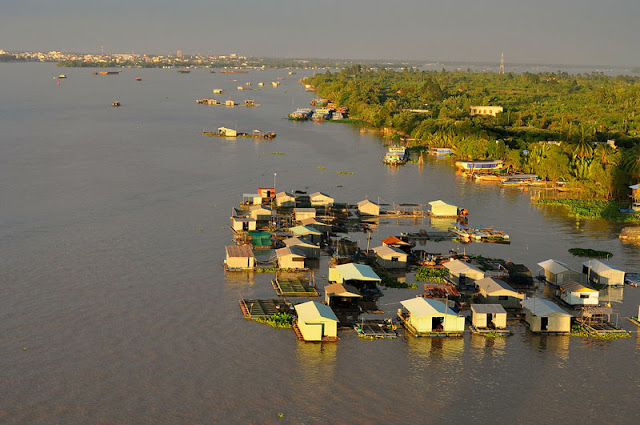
x=384 y=250
x=239 y=251
x=394 y=240
x=440 y=203
x=491 y=285
x=253 y=208
x=458 y=266
x=554 y=266
x=340 y=290
x=426 y=307
x=542 y=307
x=299 y=242
x=488 y=308
x=366 y=202
x=573 y=286
x=600 y=266
x=281 y=252
x=352 y=271
x=312 y=310
x=319 y=194
x=304 y=230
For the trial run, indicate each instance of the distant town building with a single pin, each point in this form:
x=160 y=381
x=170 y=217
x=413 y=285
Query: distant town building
x=486 y=110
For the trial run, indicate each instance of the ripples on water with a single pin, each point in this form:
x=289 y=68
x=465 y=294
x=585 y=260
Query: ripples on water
x=115 y=307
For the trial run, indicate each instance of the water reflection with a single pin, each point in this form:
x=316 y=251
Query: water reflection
x=316 y=362
x=557 y=345
x=442 y=223
x=481 y=346
x=611 y=295
x=425 y=350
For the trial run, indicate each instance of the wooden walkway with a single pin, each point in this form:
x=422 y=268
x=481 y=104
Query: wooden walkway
x=294 y=288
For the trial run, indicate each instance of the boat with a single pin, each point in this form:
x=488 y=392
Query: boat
x=301 y=114
x=106 y=72
x=115 y=103
x=211 y=71
x=520 y=180
x=395 y=155
x=184 y=71
x=227 y=71
x=320 y=116
x=480 y=165
x=59 y=77
x=138 y=79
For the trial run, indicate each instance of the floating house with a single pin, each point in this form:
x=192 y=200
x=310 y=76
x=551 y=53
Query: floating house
x=495 y=291
x=442 y=209
x=359 y=276
x=557 y=272
x=318 y=225
x=251 y=199
x=229 y=102
x=319 y=199
x=316 y=322
x=489 y=318
x=544 y=316
x=218 y=91
x=285 y=200
x=389 y=257
x=300 y=214
x=290 y=258
x=473 y=166
x=426 y=316
x=309 y=234
x=519 y=274
x=227 y=132
x=260 y=213
x=342 y=297
x=243 y=224
x=576 y=294
x=602 y=273
x=239 y=258
x=267 y=192
x=463 y=274
x=368 y=208
x=396 y=242
x=308 y=249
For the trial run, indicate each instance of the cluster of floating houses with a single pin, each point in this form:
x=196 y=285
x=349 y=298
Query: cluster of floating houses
x=324 y=111
x=286 y=233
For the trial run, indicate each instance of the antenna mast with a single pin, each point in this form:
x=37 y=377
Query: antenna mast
x=501 y=64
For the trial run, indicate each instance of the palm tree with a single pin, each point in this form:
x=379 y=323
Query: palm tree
x=631 y=163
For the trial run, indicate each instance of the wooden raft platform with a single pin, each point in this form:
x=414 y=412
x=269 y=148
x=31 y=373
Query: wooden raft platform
x=483 y=331
x=294 y=288
x=634 y=320
x=605 y=328
x=261 y=308
x=376 y=329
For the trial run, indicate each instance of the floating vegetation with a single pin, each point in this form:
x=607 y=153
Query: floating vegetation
x=393 y=283
x=345 y=172
x=266 y=269
x=587 y=252
x=275 y=153
x=494 y=335
x=591 y=209
x=322 y=168
x=278 y=320
x=425 y=274
x=350 y=121
x=577 y=330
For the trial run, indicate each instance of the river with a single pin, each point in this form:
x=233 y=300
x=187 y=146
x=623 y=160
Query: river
x=116 y=308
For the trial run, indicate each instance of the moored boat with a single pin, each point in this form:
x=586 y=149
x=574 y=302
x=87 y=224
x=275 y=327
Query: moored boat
x=395 y=155
x=480 y=165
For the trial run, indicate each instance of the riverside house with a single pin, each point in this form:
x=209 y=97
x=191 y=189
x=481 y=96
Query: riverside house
x=316 y=322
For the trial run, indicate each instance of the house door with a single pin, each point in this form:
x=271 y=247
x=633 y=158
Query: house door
x=245 y=226
x=437 y=324
x=490 y=320
x=544 y=323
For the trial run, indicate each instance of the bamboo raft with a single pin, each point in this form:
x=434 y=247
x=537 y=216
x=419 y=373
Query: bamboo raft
x=634 y=320
x=294 y=288
x=261 y=308
x=376 y=329
x=604 y=328
x=483 y=331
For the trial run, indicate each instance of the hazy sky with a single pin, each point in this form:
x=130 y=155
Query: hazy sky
x=592 y=32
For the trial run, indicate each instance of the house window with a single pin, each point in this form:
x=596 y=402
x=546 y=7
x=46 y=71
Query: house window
x=503 y=297
x=394 y=258
x=582 y=296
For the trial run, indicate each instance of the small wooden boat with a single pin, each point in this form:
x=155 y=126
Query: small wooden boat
x=115 y=103
x=138 y=79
